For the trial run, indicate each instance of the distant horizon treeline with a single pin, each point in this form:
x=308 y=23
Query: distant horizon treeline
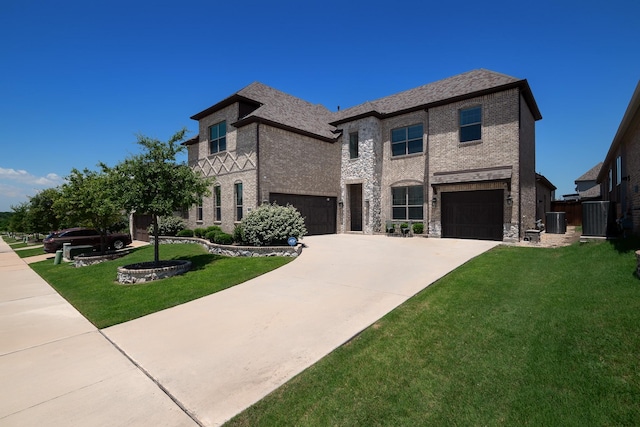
x=4 y=220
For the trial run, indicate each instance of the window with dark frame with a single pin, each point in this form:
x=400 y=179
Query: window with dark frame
x=407 y=202
x=218 y=138
x=471 y=124
x=199 y=214
x=216 y=201
x=353 y=145
x=618 y=170
x=238 y=194
x=406 y=140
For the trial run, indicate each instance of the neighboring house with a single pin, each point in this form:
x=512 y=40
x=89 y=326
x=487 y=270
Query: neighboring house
x=587 y=187
x=457 y=155
x=619 y=176
x=545 y=194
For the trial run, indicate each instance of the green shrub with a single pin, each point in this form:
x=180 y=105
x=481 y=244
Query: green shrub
x=185 y=233
x=168 y=226
x=214 y=228
x=273 y=224
x=211 y=235
x=238 y=234
x=223 y=239
x=418 y=228
x=199 y=232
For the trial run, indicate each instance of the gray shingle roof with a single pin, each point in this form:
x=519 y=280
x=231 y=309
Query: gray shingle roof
x=284 y=109
x=591 y=174
x=461 y=85
x=287 y=111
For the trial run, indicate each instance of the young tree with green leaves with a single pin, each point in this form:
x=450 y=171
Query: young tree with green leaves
x=42 y=215
x=153 y=183
x=19 y=221
x=89 y=198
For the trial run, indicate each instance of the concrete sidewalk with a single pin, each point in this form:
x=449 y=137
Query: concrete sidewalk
x=222 y=353
x=57 y=369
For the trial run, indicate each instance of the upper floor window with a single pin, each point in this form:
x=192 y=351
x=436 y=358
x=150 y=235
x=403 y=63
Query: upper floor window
x=218 y=138
x=238 y=196
x=406 y=140
x=353 y=145
x=610 y=180
x=216 y=203
x=471 y=124
x=408 y=202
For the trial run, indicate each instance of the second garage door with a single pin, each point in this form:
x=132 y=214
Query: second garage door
x=319 y=212
x=473 y=214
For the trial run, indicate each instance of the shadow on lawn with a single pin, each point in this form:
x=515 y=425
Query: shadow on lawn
x=199 y=262
x=625 y=244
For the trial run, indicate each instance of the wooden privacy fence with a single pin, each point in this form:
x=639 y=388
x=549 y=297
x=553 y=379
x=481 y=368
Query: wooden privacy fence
x=572 y=209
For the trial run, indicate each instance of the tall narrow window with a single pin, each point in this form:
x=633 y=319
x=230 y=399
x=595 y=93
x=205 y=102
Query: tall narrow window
x=238 y=191
x=407 y=202
x=216 y=202
x=353 y=145
x=199 y=214
x=618 y=170
x=471 y=124
x=407 y=140
x=610 y=180
x=218 y=138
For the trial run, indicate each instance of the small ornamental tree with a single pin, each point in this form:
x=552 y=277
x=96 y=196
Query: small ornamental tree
x=153 y=183
x=43 y=216
x=272 y=224
x=88 y=198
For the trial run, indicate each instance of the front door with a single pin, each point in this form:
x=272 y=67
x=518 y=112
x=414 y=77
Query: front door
x=355 y=206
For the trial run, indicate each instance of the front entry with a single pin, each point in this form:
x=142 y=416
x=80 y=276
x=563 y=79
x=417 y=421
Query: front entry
x=355 y=206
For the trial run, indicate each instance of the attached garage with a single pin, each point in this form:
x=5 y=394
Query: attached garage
x=319 y=212
x=473 y=214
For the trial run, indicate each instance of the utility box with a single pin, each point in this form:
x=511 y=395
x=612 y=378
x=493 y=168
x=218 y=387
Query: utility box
x=556 y=223
x=598 y=218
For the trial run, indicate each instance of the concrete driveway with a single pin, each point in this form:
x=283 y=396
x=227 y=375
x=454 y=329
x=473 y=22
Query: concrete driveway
x=218 y=355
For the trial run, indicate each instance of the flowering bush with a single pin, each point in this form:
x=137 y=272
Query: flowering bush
x=272 y=225
x=168 y=226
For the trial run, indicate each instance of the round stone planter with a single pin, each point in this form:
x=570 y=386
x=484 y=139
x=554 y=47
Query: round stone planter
x=148 y=271
x=86 y=260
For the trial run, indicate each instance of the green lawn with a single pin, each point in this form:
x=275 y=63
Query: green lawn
x=95 y=293
x=517 y=336
x=25 y=253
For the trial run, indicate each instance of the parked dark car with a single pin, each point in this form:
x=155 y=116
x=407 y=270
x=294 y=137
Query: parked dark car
x=84 y=236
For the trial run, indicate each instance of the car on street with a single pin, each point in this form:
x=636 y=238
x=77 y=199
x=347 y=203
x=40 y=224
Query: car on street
x=84 y=236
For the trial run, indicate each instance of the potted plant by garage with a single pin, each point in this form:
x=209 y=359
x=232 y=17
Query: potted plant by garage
x=404 y=227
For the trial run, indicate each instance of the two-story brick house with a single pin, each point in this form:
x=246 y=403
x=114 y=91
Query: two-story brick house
x=457 y=155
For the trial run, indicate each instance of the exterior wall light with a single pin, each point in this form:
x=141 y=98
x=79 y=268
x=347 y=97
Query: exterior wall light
x=340 y=203
x=434 y=201
x=509 y=200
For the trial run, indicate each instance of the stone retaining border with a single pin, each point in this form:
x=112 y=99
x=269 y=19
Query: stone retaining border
x=235 y=251
x=132 y=276
x=86 y=260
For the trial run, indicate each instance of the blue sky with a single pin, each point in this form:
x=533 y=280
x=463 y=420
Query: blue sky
x=79 y=79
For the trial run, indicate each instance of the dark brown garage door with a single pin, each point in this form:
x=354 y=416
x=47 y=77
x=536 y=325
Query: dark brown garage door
x=473 y=214
x=319 y=212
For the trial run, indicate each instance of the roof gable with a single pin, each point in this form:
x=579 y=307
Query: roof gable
x=591 y=174
x=278 y=109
